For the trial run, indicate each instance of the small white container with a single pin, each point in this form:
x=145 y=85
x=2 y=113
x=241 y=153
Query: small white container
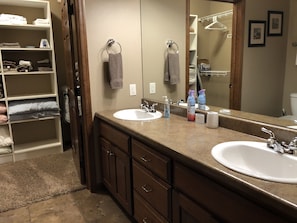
x=212 y=120
x=200 y=118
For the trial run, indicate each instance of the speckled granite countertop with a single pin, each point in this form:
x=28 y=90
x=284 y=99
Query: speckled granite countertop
x=191 y=143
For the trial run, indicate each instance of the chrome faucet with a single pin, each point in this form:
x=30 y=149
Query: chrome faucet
x=291 y=148
x=147 y=107
x=282 y=147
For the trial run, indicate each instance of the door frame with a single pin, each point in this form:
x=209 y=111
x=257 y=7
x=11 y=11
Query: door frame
x=86 y=119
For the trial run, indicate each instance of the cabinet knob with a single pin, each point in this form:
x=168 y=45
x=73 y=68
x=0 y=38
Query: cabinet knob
x=146 y=188
x=144 y=159
x=145 y=220
x=110 y=153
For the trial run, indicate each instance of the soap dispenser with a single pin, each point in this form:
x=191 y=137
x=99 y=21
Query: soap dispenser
x=166 y=107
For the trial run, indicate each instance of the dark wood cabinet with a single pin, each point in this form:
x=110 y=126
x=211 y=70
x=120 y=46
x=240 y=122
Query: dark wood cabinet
x=216 y=200
x=151 y=185
x=116 y=168
x=143 y=211
x=186 y=211
x=154 y=186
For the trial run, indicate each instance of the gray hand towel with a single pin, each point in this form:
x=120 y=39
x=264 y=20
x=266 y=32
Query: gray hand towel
x=172 y=68
x=115 y=71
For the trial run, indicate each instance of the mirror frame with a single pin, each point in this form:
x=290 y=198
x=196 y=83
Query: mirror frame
x=236 y=51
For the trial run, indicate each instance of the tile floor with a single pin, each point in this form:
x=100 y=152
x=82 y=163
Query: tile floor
x=76 y=207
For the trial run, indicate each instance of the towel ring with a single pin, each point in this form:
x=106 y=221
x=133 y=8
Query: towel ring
x=170 y=44
x=109 y=44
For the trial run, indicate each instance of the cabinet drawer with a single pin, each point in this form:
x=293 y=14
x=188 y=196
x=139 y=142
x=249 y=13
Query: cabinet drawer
x=115 y=136
x=155 y=191
x=144 y=213
x=223 y=203
x=151 y=159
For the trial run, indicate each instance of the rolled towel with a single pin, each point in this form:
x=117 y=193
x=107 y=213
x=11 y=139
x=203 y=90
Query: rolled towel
x=3 y=118
x=172 y=68
x=5 y=139
x=115 y=71
x=3 y=108
x=5 y=150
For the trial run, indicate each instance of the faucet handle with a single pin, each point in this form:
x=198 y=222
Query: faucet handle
x=153 y=109
x=271 y=142
x=268 y=132
x=293 y=144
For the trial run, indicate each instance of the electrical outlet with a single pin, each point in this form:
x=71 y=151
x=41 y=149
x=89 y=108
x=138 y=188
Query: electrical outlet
x=152 y=88
x=132 y=89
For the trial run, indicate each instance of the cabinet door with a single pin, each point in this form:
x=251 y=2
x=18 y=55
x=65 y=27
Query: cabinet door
x=122 y=169
x=108 y=164
x=186 y=211
x=116 y=173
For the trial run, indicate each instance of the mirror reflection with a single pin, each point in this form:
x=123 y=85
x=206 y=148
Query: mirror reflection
x=210 y=49
x=268 y=73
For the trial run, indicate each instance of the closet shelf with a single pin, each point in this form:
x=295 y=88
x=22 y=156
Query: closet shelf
x=30 y=72
x=35 y=119
x=24 y=97
x=25 y=49
x=29 y=147
x=214 y=73
x=219 y=15
x=37 y=135
x=26 y=27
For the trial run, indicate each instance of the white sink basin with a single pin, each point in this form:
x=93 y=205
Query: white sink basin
x=256 y=160
x=137 y=115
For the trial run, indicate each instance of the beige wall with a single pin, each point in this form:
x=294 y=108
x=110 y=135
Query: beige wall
x=119 y=20
x=264 y=67
x=263 y=76
x=161 y=21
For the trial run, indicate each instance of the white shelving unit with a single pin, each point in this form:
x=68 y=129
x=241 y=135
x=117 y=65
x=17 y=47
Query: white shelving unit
x=193 y=29
x=40 y=134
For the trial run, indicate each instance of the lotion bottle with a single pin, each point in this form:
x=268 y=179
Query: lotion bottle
x=166 y=107
x=191 y=106
x=202 y=99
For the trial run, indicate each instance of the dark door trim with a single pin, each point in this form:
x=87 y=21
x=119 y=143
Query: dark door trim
x=87 y=119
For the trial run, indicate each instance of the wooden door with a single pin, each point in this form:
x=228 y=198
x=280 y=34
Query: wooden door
x=186 y=211
x=107 y=159
x=123 y=179
x=73 y=87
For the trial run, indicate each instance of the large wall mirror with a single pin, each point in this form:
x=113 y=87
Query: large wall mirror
x=261 y=77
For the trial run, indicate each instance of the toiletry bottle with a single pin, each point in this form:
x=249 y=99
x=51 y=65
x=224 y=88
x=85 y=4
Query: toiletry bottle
x=191 y=106
x=166 y=107
x=202 y=99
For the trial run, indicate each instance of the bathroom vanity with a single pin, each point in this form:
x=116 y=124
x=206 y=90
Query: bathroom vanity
x=163 y=171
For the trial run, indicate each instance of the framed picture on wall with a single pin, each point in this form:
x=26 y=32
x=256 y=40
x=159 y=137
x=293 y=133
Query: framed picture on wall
x=275 y=23
x=257 y=33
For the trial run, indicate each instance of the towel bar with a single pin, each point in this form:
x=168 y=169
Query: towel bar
x=109 y=44
x=170 y=44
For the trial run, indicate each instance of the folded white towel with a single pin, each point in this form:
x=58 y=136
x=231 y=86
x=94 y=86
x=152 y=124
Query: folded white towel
x=41 y=22
x=5 y=139
x=5 y=150
x=11 y=19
